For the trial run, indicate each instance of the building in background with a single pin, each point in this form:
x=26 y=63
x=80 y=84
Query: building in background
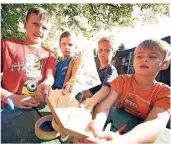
x=123 y=61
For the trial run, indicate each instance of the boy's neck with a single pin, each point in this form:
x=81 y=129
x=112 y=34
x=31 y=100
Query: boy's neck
x=32 y=44
x=65 y=57
x=144 y=82
x=103 y=65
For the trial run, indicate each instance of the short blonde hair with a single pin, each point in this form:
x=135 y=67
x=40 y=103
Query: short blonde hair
x=159 y=45
x=107 y=39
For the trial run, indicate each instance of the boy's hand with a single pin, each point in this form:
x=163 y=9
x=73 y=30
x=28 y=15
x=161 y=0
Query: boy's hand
x=21 y=101
x=67 y=89
x=42 y=91
x=63 y=137
x=100 y=137
x=103 y=137
x=95 y=126
x=106 y=137
x=89 y=103
x=86 y=94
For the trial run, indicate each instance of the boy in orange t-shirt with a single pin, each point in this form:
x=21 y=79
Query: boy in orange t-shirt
x=139 y=95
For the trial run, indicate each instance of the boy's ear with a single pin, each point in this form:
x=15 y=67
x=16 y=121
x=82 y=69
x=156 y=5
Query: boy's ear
x=165 y=65
x=24 y=22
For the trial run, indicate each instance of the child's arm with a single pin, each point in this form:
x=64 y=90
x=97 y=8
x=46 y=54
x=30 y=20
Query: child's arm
x=49 y=79
x=19 y=101
x=146 y=132
x=43 y=88
x=110 y=74
x=68 y=86
x=102 y=109
x=150 y=130
x=66 y=89
x=86 y=94
x=96 y=98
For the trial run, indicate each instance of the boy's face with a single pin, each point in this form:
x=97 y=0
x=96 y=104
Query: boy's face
x=36 y=29
x=66 y=45
x=104 y=52
x=147 y=62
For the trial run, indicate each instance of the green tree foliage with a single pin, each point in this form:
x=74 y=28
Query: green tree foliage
x=95 y=52
x=121 y=47
x=79 y=18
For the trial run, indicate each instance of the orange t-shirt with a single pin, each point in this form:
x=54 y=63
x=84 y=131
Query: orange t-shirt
x=137 y=101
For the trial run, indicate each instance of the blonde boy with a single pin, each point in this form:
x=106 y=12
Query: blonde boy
x=107 y=72
x=139 y=95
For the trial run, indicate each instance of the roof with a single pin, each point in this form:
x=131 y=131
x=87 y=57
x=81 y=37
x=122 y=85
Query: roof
x=126 y=52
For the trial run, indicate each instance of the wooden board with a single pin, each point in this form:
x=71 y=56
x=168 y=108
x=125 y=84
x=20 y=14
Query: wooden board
x=70 y=118
x=164 y=138
x=58 y=100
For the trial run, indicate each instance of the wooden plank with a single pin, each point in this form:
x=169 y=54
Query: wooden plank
x=51 y=103
x=165 y=137
x=70 y=118
x=58 y=100
x=76 y=119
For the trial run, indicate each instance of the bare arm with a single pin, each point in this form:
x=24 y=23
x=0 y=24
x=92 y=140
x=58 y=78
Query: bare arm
x=49 y=79
x=146 y=132
x=5 y=94
x=43 y=88
x=20 y=101
x=101 y=94
x=96 y=98
x=102 y=109
x=150 y=130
